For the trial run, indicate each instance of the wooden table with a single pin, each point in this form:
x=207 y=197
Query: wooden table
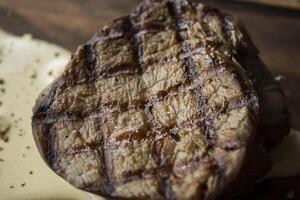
x=69 y=23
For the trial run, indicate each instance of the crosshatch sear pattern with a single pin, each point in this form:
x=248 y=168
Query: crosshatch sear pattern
x=154 y=106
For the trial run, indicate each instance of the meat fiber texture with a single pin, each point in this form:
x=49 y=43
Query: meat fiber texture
x=160 y=104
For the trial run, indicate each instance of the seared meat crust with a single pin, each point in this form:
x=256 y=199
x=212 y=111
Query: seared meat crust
x=158 y=105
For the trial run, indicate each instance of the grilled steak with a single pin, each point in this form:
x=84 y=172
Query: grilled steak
x=158 y=105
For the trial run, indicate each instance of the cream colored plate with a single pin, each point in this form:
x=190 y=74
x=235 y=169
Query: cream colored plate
x=27 y=66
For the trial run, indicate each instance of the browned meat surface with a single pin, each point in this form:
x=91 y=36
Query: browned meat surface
x=158 y=105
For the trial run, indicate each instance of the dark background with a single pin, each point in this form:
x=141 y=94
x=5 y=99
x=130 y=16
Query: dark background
x=275 y=31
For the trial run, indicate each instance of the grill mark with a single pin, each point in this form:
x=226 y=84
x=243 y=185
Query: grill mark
x=101 y=159
x=133 y=35
x=164 y=185
x=223 y=19
x=174 y=8
x=97 y=146
x=225 y=26
x=189 y=64
x=129 y=69
x=137 y=68
x=53 y=146
x=190 y=76
x=155 y=27
x=114 y=107
x=136 y=175
x=87 y=59
x=107 y=185
x=237 y=102
x=212 y=11
x=248 y=91
x=45 y=104
x=247 y=86
x=125 y=69
x=207 y=115
x=141 y=174
x=50 y=151
x=191 y=72
x=52 y=117
x=149 y=28
x=152 y=172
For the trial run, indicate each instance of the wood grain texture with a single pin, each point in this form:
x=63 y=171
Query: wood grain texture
x=65 y=22
x=294 y=4
x=275 y=31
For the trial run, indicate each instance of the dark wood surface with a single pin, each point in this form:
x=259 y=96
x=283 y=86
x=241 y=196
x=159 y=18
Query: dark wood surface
x=275 y=31
x=295 y=4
